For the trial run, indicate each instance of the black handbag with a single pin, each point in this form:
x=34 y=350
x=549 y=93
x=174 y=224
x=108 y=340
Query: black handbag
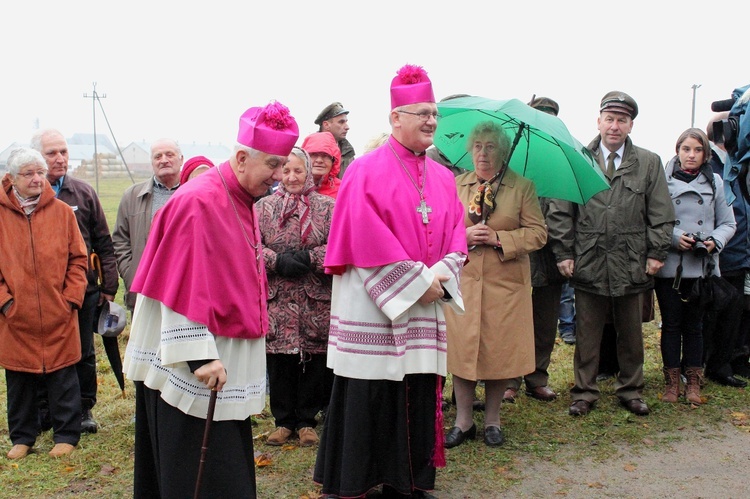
x=712 y=292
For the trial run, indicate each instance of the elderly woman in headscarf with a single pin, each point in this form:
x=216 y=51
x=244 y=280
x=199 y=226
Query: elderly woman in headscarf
x=325 y=158
x=42 y=283
x=494 y=340
x=294 y=224
x=194 y=167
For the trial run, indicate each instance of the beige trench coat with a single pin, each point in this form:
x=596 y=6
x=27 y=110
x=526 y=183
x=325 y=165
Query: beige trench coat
x=494 y=339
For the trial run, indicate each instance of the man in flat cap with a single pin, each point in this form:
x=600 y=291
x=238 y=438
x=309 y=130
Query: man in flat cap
x=334 y=118
x=611 y=247
x=547 y=288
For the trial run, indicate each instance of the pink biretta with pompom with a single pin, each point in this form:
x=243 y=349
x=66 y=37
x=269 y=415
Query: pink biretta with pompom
x=269 y=129
x=410 y=86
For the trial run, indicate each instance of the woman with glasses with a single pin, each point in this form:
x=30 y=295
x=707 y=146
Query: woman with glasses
x=325 y=158
x=42 y=285
x=494 y=339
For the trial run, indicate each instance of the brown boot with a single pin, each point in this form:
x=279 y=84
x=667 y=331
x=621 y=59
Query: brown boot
x=672 y=385
x=19 y=451
x=280 y=436
x=62 y=449
x=693 y=387
x=307 y=437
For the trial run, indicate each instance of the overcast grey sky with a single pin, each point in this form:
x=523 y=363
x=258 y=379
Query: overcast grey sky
x=187 y=70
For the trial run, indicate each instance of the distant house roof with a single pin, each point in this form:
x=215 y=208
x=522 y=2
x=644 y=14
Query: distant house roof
x=80 y=147
x=102 y=141
x=86 y=151
x=215 y=152
x=5 y=153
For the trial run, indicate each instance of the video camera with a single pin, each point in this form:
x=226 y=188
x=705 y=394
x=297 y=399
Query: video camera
x=726 y=131
x=734 y=134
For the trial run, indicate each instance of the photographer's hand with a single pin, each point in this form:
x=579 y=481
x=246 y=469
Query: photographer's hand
x=686 y=243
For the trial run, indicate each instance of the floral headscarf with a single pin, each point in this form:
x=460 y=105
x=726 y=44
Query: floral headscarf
x=298 y=203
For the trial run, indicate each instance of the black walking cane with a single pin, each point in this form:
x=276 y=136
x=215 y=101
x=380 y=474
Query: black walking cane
x=204 y=447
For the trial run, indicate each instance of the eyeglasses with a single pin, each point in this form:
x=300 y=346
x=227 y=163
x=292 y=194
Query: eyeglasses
x=423 y=115
x=30 y=175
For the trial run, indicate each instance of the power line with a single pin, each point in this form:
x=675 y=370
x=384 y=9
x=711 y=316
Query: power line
x=96 y=97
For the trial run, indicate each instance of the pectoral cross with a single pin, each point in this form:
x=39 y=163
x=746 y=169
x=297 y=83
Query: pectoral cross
x=424 y=210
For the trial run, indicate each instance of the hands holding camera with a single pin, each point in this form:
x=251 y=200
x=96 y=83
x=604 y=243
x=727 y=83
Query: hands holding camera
x=702 y=246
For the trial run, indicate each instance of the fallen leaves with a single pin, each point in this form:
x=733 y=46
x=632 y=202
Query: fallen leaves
x=630 y=467
x=741 y=420
x=263 y=459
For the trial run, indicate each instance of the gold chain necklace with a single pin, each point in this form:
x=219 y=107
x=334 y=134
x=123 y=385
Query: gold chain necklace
x=423 y=208
x=256 y=246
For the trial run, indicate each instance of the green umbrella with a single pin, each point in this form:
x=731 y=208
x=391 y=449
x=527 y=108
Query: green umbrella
x=543 y=149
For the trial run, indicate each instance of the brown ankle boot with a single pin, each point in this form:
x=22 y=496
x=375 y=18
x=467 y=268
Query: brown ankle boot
x=672 y=385
x=693 y=387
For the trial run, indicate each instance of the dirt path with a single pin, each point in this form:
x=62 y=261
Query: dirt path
x=711 y=465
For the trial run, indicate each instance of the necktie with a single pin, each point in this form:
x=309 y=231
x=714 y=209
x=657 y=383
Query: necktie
x=611 y=165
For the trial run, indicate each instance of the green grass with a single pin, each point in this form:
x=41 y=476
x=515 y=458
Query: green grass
x=103 y=464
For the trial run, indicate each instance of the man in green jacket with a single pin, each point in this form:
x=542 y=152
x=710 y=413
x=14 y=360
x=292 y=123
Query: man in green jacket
x=611 y=247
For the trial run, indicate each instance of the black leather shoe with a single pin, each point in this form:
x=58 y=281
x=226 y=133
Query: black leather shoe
x=543 y=393
x=728 y=381
x=493 y=436
x=580 y=408
x=456 y=437
x=88 y=424
x=636 y=406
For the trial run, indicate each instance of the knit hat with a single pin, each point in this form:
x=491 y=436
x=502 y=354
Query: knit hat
x=269 y=129
x=190 y=166
x=410 y=86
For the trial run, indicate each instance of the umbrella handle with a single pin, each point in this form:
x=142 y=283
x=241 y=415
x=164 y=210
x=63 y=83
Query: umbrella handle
x=96 y=263
x=204 y=446
x=516 y=139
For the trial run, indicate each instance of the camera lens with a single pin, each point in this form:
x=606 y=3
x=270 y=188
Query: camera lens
x=700 y=249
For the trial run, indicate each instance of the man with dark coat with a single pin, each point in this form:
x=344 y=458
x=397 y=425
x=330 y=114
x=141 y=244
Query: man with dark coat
x=93 y=225
x=139 y=204
x=611 y=247
x=547 y=285
x=334 y=118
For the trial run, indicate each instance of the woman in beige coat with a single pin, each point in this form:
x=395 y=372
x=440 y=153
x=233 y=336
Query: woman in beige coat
x=494 y=339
